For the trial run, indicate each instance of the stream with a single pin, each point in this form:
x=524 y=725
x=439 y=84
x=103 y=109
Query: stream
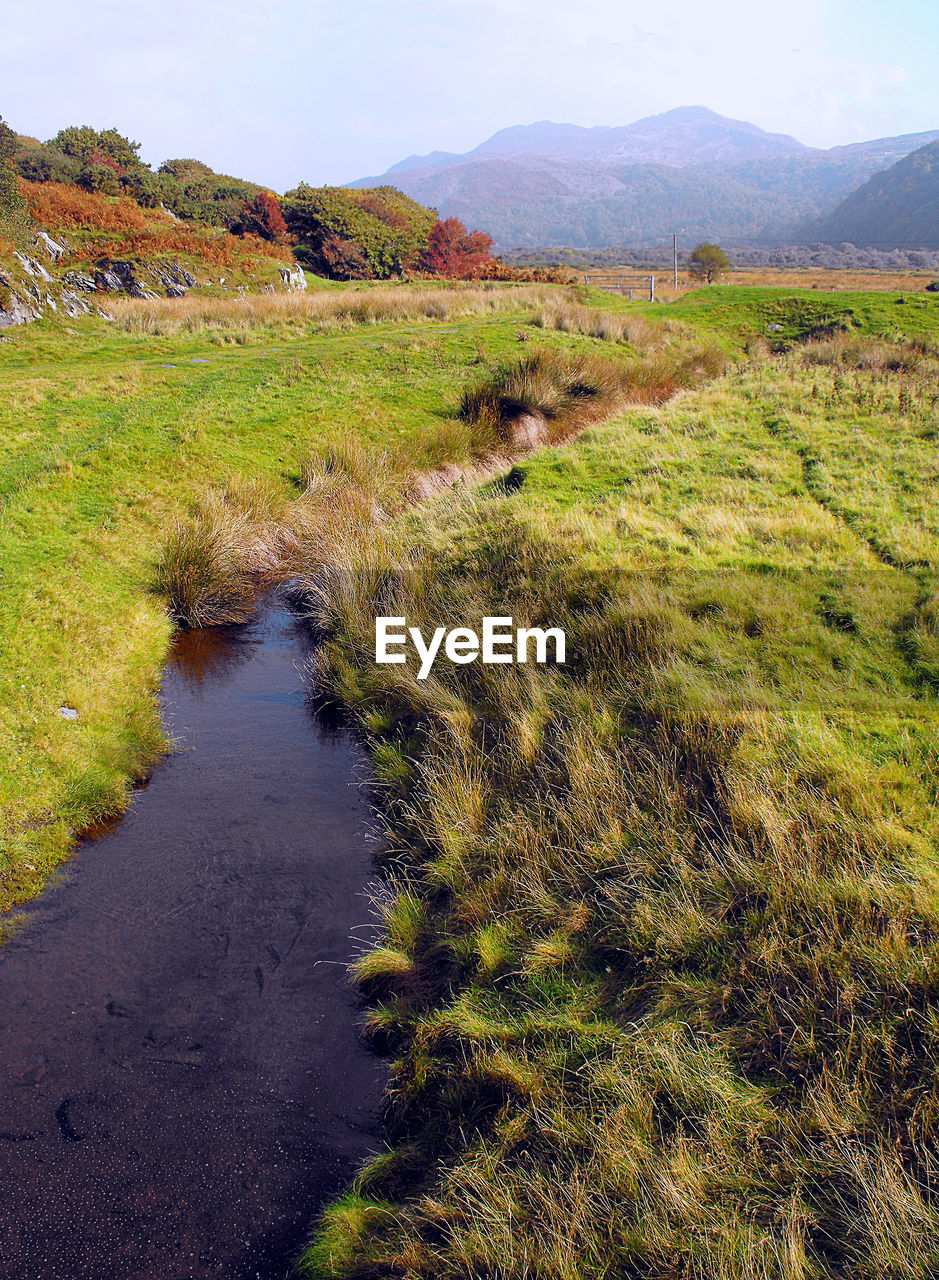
x=183 y=1084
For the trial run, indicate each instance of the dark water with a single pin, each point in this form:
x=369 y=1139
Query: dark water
x=182 y=1082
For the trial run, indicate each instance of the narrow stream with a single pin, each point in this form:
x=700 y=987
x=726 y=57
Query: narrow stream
x=183 y=1085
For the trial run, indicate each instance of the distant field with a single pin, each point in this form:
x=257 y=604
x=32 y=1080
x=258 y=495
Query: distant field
x=819 y=278
x=816 y=278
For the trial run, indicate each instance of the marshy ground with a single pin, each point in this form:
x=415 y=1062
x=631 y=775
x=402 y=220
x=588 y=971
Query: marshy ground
x=659 y=982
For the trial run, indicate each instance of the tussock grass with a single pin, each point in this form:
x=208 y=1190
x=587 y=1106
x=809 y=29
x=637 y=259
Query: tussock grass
x=210 y=565
x=859 y=351
x=557 y=387
x=669 y=1006
x=564 y=392
x=610 y=326
x=239 y=538
x=326 y=310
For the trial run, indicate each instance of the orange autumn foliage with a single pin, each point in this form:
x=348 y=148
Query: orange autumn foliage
x=139 y=232
x=58 y=206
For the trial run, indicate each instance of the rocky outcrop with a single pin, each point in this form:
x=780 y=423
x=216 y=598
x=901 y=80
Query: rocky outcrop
x=293 y=278
x=32 y=283
x=176 y=280
x=52 y=247
x=122 y=277
x=29 y=290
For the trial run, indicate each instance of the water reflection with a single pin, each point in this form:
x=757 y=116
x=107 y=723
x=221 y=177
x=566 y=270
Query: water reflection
x=184 y=1085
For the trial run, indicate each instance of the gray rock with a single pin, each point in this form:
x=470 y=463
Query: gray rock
x=76 y=280
x=32 y=267
x=121 y=277
x=52 y=248
x=18 y=311
x=74 y=303
x=176 y=280
x=294 y=278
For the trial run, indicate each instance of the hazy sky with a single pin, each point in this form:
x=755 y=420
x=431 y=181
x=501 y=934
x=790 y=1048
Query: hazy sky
x=285 y=90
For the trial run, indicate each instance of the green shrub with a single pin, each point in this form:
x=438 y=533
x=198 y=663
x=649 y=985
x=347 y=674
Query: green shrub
x=190 y=189
x=12 y=206
x=357 y=235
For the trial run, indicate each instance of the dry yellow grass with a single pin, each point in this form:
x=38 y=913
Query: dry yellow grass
x=821 y=278
x=324 y=309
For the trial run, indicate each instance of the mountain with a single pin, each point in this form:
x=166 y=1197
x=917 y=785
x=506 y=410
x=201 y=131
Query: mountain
x=898 y=207
x=688 y=169
x=684 y=137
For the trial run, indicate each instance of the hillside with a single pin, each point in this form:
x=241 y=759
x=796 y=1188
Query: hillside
x=899 y=206
x=79 y=247
x=711 y=176
x=81 y=216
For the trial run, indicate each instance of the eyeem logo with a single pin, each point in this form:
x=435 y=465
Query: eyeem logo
x=500 y=642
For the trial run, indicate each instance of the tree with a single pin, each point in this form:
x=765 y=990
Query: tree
x=357 y=234
x=93 y=147
x=455 y=252
x=12 y=207
x=707 y=261
x=263 y=217
x=103 y=161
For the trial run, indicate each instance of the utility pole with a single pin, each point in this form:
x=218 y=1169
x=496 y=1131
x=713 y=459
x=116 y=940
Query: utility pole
x=675 y=255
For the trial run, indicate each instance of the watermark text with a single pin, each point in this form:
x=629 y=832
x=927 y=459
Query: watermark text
x=501 y=641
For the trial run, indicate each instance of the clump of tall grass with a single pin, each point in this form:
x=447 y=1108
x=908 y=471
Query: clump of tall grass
x=202 y=571
x=562 y=389
x=568 y=316
x=872 y=354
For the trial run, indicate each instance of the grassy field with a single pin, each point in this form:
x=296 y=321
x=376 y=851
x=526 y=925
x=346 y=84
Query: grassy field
x=659 y=979
x=830 y=278
x=107 y=434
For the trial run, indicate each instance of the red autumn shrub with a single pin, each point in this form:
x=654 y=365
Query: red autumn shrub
x=455 y=252
x=262 y=217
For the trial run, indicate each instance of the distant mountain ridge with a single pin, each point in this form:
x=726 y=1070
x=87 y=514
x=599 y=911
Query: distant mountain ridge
x=689 y=169
x=682 y=137
x=897 y=207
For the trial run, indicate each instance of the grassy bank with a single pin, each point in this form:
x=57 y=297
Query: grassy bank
x=660 y=978
x=107 y=437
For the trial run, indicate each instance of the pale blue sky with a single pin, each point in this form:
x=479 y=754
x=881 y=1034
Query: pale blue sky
x=301 y=89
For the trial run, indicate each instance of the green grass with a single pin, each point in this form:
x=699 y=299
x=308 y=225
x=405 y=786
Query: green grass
x=783 y=316
x=102 y=450
x=670 y=1006
x=660 y=977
